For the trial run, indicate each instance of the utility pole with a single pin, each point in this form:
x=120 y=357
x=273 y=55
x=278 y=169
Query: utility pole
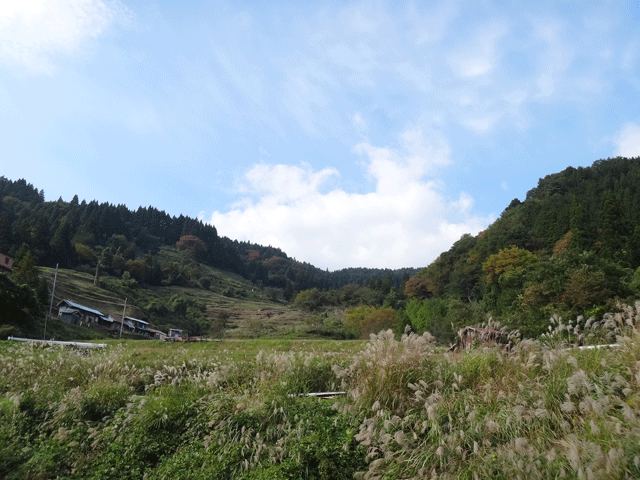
x=123 y=313
x=53 y=293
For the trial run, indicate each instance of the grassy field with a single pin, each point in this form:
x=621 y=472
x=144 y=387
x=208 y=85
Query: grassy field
x=236 y=409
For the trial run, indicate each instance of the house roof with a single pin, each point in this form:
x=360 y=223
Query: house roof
x=137 y=320
x=118 y=319
x=68 y=310
x=81 y=307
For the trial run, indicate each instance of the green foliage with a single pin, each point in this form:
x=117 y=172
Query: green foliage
x=419 y=287
x=354 y=318
x=326 y=326
x=8 y=331
x=125 y=414
x=544 y=409
x=442 y=317
x=382 y=374
x=378 y=320
x=506 y=261
x=569 y=248
x=85 y=253
x=308 y=299
x=539 y=411
x=25 y=271
x=19 y=306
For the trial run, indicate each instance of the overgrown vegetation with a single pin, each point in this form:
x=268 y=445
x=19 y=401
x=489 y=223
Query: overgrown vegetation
x=544 y=409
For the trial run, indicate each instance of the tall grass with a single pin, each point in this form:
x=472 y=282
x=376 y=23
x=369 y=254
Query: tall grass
x=539 y=411
x=544 y=409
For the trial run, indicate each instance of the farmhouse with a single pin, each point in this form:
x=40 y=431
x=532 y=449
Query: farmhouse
x=6 y=263
x=77 y=314
x=132 y=325
x=139 y=326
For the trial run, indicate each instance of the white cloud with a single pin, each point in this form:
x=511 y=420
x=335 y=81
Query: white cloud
x=480 y=54
x=31 y=31
x=359 y=123
x=480 y=124
x=404 y=221
x=555 y=58
x=284 y=184
x=628 y=141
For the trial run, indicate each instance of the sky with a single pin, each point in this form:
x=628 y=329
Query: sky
x=348 y=134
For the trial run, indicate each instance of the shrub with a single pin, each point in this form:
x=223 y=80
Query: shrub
x=7 y=331
x=378 y=320
x=383 y=372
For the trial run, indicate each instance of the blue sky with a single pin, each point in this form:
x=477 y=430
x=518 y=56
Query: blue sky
x=349 y=134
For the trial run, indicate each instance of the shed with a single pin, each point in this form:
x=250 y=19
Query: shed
x=175 y=334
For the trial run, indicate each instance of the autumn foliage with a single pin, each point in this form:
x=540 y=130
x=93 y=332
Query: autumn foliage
x=191 y=242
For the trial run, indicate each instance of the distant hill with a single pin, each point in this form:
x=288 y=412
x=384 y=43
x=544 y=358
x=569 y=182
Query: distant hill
x=80 y=235
x=175 y=271
x=571 y=247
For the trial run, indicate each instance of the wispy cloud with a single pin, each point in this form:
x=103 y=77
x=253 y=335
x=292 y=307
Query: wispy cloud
x=33 y=31
x=628 y=141
x=481 y=53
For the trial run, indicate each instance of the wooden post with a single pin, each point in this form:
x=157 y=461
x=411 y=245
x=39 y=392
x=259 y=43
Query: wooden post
x=53 y=292
x=123 y=313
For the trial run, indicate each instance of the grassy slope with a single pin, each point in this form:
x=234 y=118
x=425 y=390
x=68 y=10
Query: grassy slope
x=249 y=312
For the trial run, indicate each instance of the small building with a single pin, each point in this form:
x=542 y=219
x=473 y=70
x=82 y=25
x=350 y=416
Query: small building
x=157 y=334
x=118 y=325
x=77 y=314
x=175 y=334
x=139 y=326
x=6 y=263
x=254 y=255
x=69 y=315
x=132 y=325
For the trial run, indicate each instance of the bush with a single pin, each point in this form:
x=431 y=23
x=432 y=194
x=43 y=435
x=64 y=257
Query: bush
x=378 y=320
x=308 y=299
x=383 y=372
x=7 y=331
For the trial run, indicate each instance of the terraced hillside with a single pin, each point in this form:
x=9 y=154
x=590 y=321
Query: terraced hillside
x=242 y=308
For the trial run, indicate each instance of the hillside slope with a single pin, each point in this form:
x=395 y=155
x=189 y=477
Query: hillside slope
x=572 y=247
x=245 y=313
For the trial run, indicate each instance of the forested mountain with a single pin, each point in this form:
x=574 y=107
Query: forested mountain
x=116 y=240
x=572 y=247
